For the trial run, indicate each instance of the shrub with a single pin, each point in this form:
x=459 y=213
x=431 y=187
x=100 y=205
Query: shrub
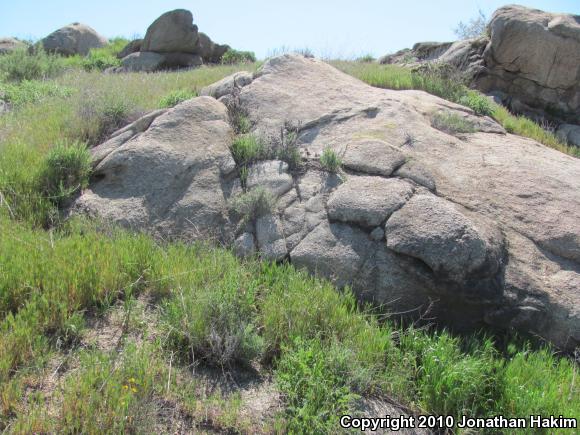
x=253 y=204
x=175 y=97
x=31 y=91
x=474 y=28
x=99 y=116
x=232 y=56
x=66 y=170
x=330 y=160
x=21 y=65
x=452 y=123
x=479 y=103
x=214 y=322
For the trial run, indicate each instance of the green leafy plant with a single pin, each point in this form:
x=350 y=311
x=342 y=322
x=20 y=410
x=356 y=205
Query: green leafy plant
x=330 y=160
x=479 y=103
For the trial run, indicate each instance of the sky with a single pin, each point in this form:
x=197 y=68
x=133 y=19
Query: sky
x=329 y=28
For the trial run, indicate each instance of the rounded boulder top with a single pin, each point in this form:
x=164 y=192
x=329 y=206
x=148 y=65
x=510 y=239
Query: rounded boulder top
x=76 y=38
x=173 y=31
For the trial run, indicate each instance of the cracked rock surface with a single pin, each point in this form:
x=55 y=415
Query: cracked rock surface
x=471 y=230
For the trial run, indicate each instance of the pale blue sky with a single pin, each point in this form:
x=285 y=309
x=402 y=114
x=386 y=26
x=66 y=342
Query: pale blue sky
x=337 y=28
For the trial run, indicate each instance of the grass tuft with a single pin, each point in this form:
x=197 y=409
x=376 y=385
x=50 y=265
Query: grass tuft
x=452 y=123
x=330 y=161
x=173 y=98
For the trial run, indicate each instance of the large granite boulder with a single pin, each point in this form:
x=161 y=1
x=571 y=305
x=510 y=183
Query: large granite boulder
x=167 y=179
x=534 y=57
x=481 y=229
x=8 y=45
x=73 y=39
x=172 y=32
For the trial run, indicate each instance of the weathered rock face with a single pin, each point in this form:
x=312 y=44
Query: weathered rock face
x=175 y=42
x=73 y=39
x=172 y=32
x=533 y=56
x=530 y=62
x=132 y=47
x=481 y=229
x=169 y=178
x=8 y=45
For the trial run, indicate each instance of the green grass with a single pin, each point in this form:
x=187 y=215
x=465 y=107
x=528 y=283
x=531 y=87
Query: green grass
x=452 y=123
x=175 y=97
x=330 y=160
x=31 y=91
x=402 y=78
x=106 y=57
x=247 y=149
x=253 y=204
x=321 y=348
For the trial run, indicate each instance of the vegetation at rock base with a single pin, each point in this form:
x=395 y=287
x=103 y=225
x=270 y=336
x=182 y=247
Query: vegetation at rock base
x=103 y=330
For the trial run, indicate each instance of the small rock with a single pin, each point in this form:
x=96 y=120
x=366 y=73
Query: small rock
x=244 y=246
x=368 y=201
x=270 y=236
x=272 y=175
x=378 y=234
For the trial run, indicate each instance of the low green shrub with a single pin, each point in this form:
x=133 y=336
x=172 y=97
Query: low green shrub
x=330 y=160
x=452 y=123
x=65 y=171
x=175 y=97
x=215 y=322
x=31 y=91
x=232 y=56
x=478 y=102
x=24 y=65
x=98 y=116
x=253 y=204
x=99 y=59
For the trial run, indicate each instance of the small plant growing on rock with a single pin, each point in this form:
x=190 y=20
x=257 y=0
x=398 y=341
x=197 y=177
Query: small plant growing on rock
x=330 y=161
x=247 y=149
x=65 y=171
x=452 y=123
x=174 y=98
x=287 y=150
x=253 y=204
